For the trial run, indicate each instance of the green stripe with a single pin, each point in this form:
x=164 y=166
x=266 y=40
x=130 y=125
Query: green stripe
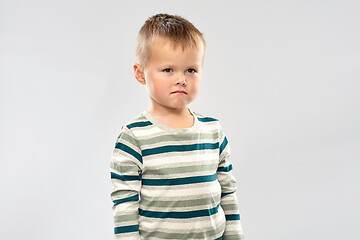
x=179 y=215
x=229 y=207
x=227 y=186
x=125 y=177
x=128 y=199
x=126 y=229
x=186 y=169
x=126 y=218
x=178 y=137
x=225 y=169
x=224 y=194
x=207 y=119
x=179 y=181
x=124 y=168
x=139 y=124
x=180 y=203
x=232 y=217
x=223 y=145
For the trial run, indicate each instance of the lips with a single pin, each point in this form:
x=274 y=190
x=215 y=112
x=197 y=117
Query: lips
x=180 y=92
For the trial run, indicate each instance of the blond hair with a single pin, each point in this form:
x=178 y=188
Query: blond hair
x=170 y=27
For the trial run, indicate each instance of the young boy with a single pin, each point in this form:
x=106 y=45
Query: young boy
x=170 y=168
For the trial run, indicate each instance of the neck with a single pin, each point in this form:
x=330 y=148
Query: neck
x=169 y=112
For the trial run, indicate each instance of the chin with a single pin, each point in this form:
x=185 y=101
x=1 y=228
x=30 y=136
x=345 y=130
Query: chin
x=178 y=107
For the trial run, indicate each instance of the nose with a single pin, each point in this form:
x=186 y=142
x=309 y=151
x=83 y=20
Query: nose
x=181 y=80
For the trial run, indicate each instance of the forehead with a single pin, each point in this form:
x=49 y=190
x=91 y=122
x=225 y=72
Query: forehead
x=175 y=43
x=162 y=49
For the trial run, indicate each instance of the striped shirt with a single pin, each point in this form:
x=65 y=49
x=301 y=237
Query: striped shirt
x=173 y=183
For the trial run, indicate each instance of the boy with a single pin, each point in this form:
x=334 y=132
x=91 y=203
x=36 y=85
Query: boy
x=170 y=168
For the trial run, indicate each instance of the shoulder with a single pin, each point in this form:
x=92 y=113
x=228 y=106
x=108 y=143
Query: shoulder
x=209 y=120
x=139 y=121
x=129 y=128
x=205 y=118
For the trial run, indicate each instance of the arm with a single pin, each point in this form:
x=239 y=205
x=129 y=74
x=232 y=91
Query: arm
x=229 y=201
x=125 y=168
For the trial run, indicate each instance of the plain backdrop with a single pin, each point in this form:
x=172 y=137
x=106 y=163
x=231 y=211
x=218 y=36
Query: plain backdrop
x=281 y=76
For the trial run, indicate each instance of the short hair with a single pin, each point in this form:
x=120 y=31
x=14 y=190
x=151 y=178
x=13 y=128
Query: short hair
x=171 y=27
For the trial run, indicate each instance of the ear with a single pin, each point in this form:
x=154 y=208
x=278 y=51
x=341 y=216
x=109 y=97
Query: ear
x=139 y=73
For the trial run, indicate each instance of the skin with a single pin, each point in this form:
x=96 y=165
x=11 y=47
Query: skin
x=169 y=70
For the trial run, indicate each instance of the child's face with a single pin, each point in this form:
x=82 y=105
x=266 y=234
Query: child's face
x=169 y=70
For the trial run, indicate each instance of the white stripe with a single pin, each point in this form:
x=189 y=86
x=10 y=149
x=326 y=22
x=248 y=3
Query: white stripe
x=147 y=132
x=203 y=189
x=203 y=156
x=174 y=225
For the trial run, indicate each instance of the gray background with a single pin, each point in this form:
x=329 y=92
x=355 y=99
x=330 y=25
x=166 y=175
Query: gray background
x=282 y=77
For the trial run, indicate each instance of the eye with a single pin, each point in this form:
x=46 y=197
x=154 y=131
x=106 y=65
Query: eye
x=167 y=70
x=191 y=70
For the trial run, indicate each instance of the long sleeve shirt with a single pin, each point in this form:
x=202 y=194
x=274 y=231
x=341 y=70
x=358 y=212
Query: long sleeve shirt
x=173 y=183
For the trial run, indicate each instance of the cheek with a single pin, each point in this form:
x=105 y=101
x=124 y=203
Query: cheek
x=195 y=86
x=159 y=87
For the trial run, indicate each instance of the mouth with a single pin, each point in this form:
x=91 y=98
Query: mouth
x=179 y=92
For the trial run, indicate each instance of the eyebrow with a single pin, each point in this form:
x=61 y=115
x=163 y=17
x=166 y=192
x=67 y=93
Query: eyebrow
x=194 y=66
x=173 y=65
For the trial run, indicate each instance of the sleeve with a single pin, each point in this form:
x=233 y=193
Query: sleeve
x=229 y=203
x=125 y=169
